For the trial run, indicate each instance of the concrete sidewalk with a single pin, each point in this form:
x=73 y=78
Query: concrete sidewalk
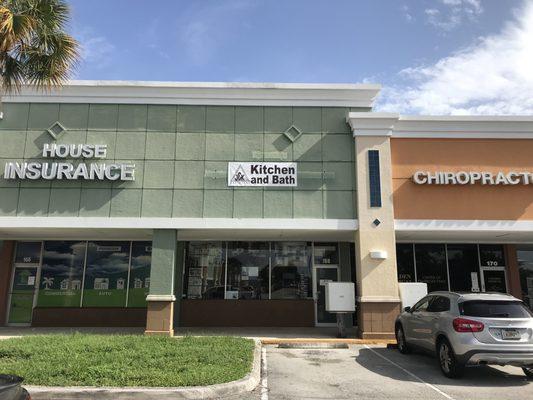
x=267 y=335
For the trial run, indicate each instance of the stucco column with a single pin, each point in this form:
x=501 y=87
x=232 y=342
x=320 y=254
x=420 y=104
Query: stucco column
x=160 y=311
x=7 y=248
x=375 y=245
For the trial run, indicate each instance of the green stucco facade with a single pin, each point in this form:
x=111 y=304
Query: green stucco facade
x=181 y=155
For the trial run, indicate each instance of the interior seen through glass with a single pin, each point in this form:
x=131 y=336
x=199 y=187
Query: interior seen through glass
x=254 y=270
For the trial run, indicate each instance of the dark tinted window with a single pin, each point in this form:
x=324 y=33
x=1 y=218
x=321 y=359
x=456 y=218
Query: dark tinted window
x=431 y=266
x=28 y=253
x=491 y=255
x=106 y=274
x=374 y=178
x=326 y=253
x=405 y=262
x=464 y=267
x=439 y=304
x=494 y=309
x=525 y=268
x=423 y=304
x=291 y=270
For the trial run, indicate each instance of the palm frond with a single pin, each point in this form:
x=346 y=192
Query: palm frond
x=13 y=74
x=51 y=63
x=34 y=47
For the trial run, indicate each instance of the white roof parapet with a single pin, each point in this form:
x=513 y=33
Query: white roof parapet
x=464 y=127
x=371 y=123
x=451 y=127
x=206 y=93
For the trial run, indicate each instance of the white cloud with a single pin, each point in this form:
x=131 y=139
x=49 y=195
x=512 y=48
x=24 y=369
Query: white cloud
x=493 y=76
x=453 y=13
x=406 y=12
x=95 y=49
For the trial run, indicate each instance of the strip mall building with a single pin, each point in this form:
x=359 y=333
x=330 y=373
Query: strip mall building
x=167 y=204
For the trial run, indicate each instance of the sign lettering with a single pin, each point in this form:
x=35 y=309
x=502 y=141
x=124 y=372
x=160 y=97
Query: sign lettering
x=262 y=174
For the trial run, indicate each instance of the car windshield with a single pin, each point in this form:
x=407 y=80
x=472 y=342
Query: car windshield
x=494 y=309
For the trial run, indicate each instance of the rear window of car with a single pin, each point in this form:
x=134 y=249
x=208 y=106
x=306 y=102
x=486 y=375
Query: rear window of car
x=494 y=309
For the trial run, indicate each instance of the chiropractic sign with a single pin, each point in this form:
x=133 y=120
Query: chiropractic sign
x=473 y=177
x=262 y=174
x=52 y=170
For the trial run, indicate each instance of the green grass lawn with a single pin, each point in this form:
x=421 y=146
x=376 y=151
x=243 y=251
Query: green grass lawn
x=125 y=360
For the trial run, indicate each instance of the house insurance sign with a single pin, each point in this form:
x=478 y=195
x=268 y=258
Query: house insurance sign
x=262 y=174
x=86 y=169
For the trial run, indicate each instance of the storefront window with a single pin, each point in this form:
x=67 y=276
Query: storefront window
x=524 y=254
x=61 y=274
x=205 y=270
x=406 y=262
x=28 y=253
x=106 y=274
x=491 y=255
x=431 y=266
x=141 y=259
x=291 y=270
x=248 y=268
x=463 y=264
x=326 y=253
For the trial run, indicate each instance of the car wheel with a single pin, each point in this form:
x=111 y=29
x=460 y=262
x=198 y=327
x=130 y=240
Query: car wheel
x=528 y=371
x=403 y=347
x=450 y=367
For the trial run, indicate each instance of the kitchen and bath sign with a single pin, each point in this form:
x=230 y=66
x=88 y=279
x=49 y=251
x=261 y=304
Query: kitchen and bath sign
x=262 y=174
x=88 y=168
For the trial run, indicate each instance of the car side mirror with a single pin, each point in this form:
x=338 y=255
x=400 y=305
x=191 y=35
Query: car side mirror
x=407 y=309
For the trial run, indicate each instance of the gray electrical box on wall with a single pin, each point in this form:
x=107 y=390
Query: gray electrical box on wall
x=340 y=297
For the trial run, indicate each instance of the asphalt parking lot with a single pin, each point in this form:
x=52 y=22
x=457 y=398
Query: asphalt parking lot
x=375 y=372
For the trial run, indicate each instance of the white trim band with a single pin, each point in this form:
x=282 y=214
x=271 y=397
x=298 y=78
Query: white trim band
x=160 y=297
x=310 y=224
x=377 y=299
x=205 y=93
x=432 y=127
x=432 y=225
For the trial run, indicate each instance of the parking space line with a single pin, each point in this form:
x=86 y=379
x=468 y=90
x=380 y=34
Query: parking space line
x=429 y=385
x=264 y=375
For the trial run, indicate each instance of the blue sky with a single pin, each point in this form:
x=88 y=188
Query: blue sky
x=431 y=56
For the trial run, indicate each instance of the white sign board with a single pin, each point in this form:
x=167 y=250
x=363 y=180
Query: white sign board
x=262 y=174
x=475 y=282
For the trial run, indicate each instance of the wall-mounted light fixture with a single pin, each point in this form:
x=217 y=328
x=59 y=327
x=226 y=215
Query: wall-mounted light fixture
x=378 y=255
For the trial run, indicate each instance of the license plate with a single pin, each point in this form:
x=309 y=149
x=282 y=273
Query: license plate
x=510 y=334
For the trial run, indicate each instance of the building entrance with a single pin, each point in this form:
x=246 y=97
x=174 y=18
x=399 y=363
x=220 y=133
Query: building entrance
x=493 y=279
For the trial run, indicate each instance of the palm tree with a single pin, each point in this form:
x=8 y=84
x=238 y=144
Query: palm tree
x=34 y=46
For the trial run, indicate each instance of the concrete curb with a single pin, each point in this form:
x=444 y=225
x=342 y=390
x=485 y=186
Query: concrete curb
x=276 y=341
x=246 y=384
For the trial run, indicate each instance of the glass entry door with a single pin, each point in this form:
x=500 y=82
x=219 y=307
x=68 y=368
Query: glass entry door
x=22 y=295
x=493 y=280
x=24 y=282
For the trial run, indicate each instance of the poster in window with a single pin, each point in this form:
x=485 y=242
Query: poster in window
x=141 y=260
x=106 y=274
x=61 y=274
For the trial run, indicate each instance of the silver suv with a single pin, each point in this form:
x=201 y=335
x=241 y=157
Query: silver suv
x=469 y=329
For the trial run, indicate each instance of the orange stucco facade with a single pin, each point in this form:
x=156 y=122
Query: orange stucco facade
x=461 y=202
